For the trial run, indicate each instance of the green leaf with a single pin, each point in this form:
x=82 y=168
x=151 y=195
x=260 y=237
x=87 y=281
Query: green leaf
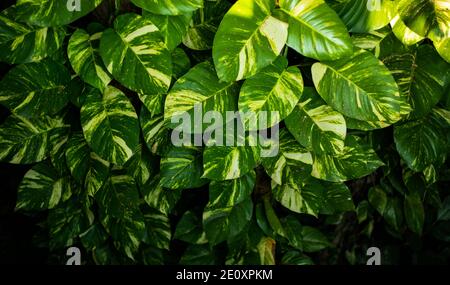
x=155 y=131
x=293 y=230
x=274 y=89
x=86 y=61
x=226 y=162
x=110 y=125
x=157 y=197
x=139 y=60
x=315 y=30
x=158 y=230
x=118 y=199
x=181 y=64
x=35 y=89
x=266 y=251
x=378 y=199
x=224 y=194
x=444 y=211
x=23 y=43
x=414 y=212
x=169 y=7
x=296 y=258
x=173 y=28
x=182 y=168
x=42 y=188
x=66 y=223
x=313 y=240
x=338 y=198
x=202 y=29
x=426 y=17
x=258 y=39
x=189 y=229
x=25 y=141
x=443 y=48
x=360 y=87
x=199 y=87
x=422 y=77
x=393 y=213
x=365 y=16
x=316 y=125
x=142 y=165
x=291 y=158
x=403 y=33
x=50 y=13
x=221 y=224
x=300 y=194
x=356 y=161
x=423 y=142
x=199 y=255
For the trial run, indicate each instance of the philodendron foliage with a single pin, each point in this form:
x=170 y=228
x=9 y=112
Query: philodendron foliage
x=361 y=89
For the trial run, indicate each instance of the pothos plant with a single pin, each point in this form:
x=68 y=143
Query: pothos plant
x=361 y=89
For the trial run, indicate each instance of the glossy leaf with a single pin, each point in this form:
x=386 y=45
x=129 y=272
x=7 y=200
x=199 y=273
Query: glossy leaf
x=315 y=30
x=86 y=61
x=258 y=39
x=139 y=60
x=359 y=87
x=275 y=89
x=316 y=125
x=35 y=89
x=110 y=125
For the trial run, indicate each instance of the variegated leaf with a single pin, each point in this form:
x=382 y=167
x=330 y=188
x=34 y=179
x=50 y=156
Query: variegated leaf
x=422 y=76
x=258 y=39
x=23 y=43
x=443 y=48
x=35 y=89
x=42 y=188
x=155 y=131
x=360 y=87
x=51 y=13
x=66 y=222
x=25 y=141
x=189 y=229
x=182 y=168
x=86 y=166
x=202 y=29
x=173 y=28
x=292 y=158
x=228 y=162
x=423 y=142
x=296 y=195
x=427 y=18
x=316 y=125
x=118 y=200
x=357 y=160
x=221 y=224
x=158 y=232
x=363 y=16
x=110 y=125
x=200 y=87
x=139 y=60
x=142 y=165
x=181 y=63
x=315 y=30
x=403 y=33
x=158 y=197
x=224 y=194
x=85 y=60
x=169 y=7
x=275 y=89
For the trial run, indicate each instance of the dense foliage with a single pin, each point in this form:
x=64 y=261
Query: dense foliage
x=362 y=94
